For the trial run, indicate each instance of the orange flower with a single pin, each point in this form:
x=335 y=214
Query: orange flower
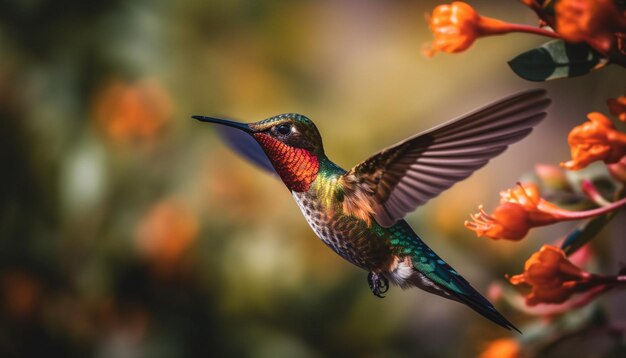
x=508 y=221
x=591 y=21
x=458 y=25
x=553 y=278
x=595 y=140
x=617 y=106
x=502 y=348
x=455 y=27
x=580 y=258
x=132 y=111
x=521 y=209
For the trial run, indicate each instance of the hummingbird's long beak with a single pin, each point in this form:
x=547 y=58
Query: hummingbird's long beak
x=244 y=127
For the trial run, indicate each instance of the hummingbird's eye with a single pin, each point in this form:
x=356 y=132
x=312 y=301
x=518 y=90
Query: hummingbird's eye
x=283 y=129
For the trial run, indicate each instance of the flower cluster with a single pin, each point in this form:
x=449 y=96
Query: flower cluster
x=554 y=283
x=592 y=21
x=522 y=208
x=586 y=35
x=599 y=24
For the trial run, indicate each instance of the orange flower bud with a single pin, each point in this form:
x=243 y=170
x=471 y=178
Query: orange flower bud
x=591 y=21
x=595 y=140
x=617 y=107
x=553 y=278
x=502 y=348
x=455 y=28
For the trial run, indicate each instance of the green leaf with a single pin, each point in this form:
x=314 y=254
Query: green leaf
x=585 y=232
x=557 y=59
x=589 y=229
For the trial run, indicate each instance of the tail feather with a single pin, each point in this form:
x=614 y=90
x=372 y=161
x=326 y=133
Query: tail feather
x=416 y=265
x=434 y=275
x=464 y=293
x=481 y=305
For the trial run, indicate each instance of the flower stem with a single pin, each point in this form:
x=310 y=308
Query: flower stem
x=534 y=30
x=576 y=215
x=489 y=26
x=592 y=192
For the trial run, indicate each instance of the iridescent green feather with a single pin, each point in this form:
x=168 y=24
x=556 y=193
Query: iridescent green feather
x=406 y=243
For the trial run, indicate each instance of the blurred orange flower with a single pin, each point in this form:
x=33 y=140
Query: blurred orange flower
x=617 y=107
x=165 y=232
x=521 y=209
x=458 y=25
x=591 y=21
x=21 y=293
x=126 y=111
x=595 y=140
x=502 y=348
x=553 y=278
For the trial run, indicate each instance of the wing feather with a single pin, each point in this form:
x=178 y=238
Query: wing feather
x=243 y=144
x=404 y=176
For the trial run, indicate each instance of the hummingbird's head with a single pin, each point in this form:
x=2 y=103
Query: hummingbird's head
x=292 y=129
x=291 y=142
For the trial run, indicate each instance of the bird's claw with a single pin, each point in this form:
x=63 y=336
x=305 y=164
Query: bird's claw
x=378 y=284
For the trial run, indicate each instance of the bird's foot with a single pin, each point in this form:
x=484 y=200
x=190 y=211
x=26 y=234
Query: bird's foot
x=378 y=284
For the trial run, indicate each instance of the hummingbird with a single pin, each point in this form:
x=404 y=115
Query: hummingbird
x=359 y=212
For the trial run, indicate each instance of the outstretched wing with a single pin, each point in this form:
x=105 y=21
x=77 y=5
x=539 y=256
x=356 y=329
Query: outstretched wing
x=400 y=178
x=243 y=144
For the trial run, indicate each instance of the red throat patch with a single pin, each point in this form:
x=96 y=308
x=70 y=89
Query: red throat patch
x=297 y=167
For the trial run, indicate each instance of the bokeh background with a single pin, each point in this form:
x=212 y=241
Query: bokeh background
x=129 y=230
